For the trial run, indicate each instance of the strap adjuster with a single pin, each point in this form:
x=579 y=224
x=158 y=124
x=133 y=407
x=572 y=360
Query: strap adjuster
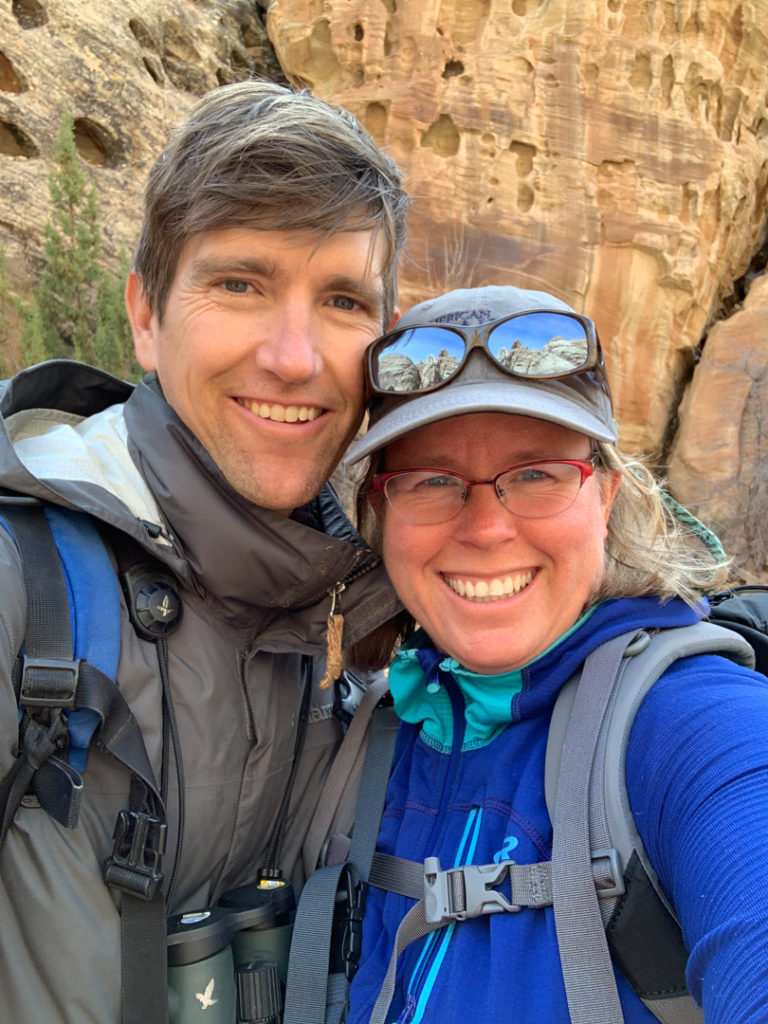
x=609 y=883
x=49 y=682
x=464 y=892
x=134 y=866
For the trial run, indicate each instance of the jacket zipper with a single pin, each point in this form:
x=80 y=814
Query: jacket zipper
x=424 y=974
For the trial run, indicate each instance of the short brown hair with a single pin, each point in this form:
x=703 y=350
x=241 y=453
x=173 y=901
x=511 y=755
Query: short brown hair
x=274 y=158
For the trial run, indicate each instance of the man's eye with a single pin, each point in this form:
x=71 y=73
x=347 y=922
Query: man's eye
x=237 y=287
x=344 y=302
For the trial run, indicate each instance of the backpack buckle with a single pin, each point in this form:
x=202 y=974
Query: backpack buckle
x=463 y=892
x=49 y=682
x=134 y=866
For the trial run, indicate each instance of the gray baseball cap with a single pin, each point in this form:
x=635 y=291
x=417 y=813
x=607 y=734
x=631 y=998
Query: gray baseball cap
x=580 y=401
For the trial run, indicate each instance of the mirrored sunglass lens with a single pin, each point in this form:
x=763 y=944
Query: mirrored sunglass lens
x=415 y=359
x=540 y=344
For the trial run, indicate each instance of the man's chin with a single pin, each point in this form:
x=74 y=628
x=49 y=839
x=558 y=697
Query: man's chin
x=278 y=493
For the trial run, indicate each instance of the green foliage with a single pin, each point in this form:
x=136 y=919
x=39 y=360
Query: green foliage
x=77 y=310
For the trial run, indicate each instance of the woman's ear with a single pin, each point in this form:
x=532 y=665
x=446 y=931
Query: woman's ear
x=608 y=482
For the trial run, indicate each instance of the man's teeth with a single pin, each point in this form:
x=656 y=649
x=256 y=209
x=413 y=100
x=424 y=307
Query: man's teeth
x=490 y=590
x=283 y=413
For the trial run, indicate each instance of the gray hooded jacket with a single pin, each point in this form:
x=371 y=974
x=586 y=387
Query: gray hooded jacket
x=255 y=588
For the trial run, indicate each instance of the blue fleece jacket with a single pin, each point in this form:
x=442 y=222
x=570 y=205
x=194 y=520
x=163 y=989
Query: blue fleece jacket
x=467 y=786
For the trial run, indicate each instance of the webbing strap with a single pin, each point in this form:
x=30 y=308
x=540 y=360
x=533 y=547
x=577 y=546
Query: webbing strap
x=307 y=989
x=530 y=885
x=307 y=980
x=49 y=628
x=413 y=926
x=50 y=671
x=590 y=983
x=373 y=790
x=144 y=978
x=345 y=768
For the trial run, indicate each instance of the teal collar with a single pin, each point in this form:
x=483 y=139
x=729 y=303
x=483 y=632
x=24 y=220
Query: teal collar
x=487 y=698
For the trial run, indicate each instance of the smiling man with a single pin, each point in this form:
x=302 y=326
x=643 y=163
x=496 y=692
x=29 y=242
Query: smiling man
x=266 y=264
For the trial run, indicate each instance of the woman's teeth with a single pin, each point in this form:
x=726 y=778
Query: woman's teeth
x=490 y=590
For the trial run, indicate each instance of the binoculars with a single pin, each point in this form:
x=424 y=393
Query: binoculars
x=232 y=959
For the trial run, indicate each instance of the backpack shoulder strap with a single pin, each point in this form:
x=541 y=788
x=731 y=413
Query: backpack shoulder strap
x=66 y=691
x=61 y=556
x=642 y=931
x=314 y=994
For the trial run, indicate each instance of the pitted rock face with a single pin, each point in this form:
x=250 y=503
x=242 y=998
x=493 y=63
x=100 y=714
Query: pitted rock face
x=610 y=153
x=614 y=154
x=128 y=71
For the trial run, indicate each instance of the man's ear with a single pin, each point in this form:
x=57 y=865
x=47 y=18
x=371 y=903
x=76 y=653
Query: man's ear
x=143 y=322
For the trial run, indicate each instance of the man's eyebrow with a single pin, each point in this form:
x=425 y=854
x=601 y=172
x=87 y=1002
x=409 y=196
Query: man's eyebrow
x=368 y=290
x=205 y=267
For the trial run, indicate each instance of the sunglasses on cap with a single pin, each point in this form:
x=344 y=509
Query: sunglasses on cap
x=542 y=344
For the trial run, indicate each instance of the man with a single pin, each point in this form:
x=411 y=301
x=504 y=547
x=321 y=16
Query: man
x=266 y=264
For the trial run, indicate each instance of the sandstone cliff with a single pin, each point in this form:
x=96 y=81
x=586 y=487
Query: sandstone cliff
x=615 y=153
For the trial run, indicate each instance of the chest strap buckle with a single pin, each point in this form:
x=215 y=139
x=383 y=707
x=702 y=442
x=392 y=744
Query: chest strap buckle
x=463 y=892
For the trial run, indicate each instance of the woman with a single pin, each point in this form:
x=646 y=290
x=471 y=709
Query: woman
x=519 y=539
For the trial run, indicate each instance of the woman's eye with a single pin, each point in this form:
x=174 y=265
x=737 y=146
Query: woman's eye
x=439 y=482
x=531 y=475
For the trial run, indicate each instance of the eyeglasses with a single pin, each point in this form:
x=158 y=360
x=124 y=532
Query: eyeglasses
x=532 y=490
x=538 y=345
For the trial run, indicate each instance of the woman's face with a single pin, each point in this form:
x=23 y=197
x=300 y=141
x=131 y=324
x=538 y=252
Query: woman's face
x=546 y=569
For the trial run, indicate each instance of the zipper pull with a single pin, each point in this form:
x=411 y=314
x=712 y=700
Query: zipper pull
x=333 y=660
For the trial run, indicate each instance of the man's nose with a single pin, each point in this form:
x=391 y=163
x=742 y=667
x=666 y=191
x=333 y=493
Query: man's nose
x=289 y=345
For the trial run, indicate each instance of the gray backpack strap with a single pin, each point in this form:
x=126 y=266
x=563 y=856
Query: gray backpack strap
x=590 y=984
x=313 y=996
x=642 y=932
x=339 y=793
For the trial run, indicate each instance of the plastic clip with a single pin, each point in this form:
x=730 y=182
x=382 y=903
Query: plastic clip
x=134 y=866
x=49 y=682
x=352 y=942
x=467 y=891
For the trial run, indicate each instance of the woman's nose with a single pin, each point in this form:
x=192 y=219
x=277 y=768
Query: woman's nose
x=484 y=518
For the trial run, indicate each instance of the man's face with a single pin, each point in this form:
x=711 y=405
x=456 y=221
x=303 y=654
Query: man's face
x=260 y=352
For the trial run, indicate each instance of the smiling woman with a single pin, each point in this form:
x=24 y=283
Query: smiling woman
x=521 y=540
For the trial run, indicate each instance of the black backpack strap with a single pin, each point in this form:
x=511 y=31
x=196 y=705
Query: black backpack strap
x=47 y=679
x=51 y=680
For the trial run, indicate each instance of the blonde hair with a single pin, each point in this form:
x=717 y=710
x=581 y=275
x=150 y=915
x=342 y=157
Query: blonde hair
x=654 y=547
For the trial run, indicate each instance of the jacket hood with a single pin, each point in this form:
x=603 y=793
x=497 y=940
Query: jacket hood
x=77 y=437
